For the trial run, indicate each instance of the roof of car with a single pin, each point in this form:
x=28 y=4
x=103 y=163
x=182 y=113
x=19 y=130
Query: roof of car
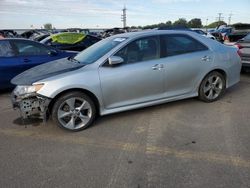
x=152 y=32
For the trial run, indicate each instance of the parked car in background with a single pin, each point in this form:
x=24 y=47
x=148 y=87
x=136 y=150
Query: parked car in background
x=178 y=27
x=208 y=35
x=111 y=32
x=231 y=34
x=244 y=51
x=18 y=55
x=41 y=37
x=220 y=33
x=237 y=32
x=1 y=35
x=184 y=28
x=8 y=33
x=33 y=33
x=211 y=30
x=70 y=41
x=77 y=30
x=124 y=72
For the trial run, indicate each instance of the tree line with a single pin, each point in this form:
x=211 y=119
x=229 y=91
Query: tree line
x=193 y=23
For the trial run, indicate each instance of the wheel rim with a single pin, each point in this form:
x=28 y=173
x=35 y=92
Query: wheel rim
x=213 y=87
x=74 y=113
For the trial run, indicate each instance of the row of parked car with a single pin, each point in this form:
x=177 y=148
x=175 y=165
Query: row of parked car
x=229 y=34
x=20 y=54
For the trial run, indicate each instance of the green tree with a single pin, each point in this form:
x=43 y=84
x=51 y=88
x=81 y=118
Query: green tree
x=168 y=24
x=180 y=22
x=195 y=23
x=133 y=27
x=161 y=25
x=47 y=26
x=216 y=24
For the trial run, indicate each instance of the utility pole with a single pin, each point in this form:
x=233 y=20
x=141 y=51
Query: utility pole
x=124 y=17
x=219 y=18
x=206 y=24
x=229 y=18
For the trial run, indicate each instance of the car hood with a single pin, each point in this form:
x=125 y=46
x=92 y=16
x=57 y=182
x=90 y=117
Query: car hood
x=46 y=70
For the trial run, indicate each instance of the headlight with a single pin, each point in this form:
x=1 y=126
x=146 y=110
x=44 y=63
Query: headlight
x=24 y=90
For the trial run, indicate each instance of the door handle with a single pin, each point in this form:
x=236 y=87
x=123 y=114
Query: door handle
x=206 y=58
x=26 y=60
x=158 y=67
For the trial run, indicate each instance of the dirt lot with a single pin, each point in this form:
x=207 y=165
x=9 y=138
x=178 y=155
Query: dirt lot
x=180 y=144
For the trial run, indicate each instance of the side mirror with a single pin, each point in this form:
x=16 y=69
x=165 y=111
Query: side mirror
x=52 y=52
x=115 y=60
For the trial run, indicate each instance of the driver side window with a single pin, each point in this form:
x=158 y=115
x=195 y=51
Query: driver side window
x=143 y=49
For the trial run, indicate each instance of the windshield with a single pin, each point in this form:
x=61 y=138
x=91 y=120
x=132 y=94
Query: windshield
x=99 y=49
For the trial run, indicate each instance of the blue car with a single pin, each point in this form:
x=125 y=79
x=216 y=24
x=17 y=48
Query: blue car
x=18 y=55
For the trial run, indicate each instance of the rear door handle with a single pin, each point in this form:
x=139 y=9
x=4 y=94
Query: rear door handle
x=26 y=60
x=206 y=58
x=158 y=67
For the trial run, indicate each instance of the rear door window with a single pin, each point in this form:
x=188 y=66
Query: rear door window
x=180 y=44
x=6 y=49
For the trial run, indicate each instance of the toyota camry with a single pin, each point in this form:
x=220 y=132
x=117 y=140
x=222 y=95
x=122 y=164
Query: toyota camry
x=124 y=72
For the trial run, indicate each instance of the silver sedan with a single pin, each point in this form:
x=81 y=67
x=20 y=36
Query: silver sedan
x=124 y=72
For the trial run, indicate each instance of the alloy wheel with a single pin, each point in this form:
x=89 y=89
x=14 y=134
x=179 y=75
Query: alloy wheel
x=74 y=113
x=213 y=87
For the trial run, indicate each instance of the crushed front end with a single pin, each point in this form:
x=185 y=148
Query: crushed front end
x=30 y=104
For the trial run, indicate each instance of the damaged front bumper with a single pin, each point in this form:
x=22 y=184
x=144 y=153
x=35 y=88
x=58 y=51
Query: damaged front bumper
x=32 y=105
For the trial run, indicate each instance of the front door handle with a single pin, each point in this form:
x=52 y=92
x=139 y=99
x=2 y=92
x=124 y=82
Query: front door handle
x=206 y=58
x=158 y=67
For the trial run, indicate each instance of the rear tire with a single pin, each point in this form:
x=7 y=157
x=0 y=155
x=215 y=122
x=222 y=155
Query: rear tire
x=212 y=87
x=74 y=111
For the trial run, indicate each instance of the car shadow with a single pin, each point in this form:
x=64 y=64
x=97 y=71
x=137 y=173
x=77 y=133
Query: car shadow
x=101 y=120
x=28 y=122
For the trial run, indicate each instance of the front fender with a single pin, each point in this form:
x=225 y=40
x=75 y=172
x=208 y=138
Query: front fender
x=84 y=80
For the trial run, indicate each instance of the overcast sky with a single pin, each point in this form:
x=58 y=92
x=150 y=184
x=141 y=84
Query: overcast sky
x=16 y=14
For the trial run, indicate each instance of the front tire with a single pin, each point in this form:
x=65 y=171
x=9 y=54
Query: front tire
x=212 y=87
x=74 y=111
